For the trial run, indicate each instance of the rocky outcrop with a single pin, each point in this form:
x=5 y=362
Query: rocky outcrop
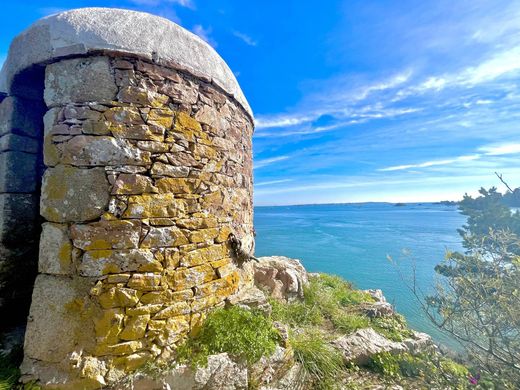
x=282 y=277
x=361 y=345
x=379 y=308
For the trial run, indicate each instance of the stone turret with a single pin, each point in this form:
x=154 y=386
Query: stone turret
x=133 y=139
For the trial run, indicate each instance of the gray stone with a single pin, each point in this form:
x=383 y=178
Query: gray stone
x=98 y=263
x=55 y=250
x=79 y=80
x=359 y=346
x=18 y=172
x=18 y=143
x=161 y=169
x=282 y=277
x=80 y=31
x=18 y=215
x=84 y=150
x=52 y=296
x=21 y=116
x=72 y=194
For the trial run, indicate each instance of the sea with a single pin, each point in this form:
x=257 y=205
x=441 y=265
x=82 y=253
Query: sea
x=373 y=245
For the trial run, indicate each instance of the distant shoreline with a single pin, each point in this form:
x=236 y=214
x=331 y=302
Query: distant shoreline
x=442 y=202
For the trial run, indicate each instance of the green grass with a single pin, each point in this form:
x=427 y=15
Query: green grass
x=393 y=327
x=244 y=334
x=9 y=372
x=348 y=323
x=320 y=361
x=433 y=369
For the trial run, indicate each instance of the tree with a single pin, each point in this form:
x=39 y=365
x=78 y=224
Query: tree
x=477 y=299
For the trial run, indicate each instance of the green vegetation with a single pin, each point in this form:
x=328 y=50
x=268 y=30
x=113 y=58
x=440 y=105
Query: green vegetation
x=433 y=370
x=243 y=334
x=320 y=361
x=478 y=298
x=393 y=327
x=9 y=372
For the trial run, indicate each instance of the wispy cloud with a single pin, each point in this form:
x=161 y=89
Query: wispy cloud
x=502 y=149
x=431 y=163
x=205 y=34
x=271 y=182
x=245 y=38
x=269 y=161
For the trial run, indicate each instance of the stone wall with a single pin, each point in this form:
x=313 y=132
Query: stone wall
x=148 y=171
x=21 y=132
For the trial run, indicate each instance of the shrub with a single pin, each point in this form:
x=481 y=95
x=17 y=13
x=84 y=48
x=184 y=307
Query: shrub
x=244 y=334
x=433 y=369
x=320 y=361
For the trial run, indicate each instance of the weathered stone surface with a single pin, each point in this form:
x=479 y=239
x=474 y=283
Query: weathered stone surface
x=21 y=116
x=18 y=216
x=161 y=169
x=118 y=297
x=164 y=237
x=82 y=30
x=73 y=195
x=154 y=206
x=188 y=277
x=204 y=255
x=102 y=262
x=14 y=142
x=18 y=172
x=106 y=235
x=364 y=343
x=79 y=80
x=135 y=327
x=52 y=318
x=284 y=278
x=55 y=250
x=84 y=150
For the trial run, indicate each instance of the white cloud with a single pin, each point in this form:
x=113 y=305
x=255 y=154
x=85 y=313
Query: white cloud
x=427 y=164
x=269 y=161
x=245 y=38
x=499 y=150
x=266 y=183
x=281 y=121
x=204 y=33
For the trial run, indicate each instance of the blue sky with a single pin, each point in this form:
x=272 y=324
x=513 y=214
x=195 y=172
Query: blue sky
x=359 y=100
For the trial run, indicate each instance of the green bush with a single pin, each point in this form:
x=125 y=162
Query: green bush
x=244 y=334
x=433 y=369
x=320 y=361
x=9 y=373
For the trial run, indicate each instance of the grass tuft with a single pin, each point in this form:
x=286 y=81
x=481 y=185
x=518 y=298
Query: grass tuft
x=320 y=361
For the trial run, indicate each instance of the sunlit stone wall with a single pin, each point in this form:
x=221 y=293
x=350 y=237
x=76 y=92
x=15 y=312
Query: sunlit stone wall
x=148 y=171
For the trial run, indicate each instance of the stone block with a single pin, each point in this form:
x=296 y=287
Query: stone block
x=21 y=116
x=53 y=324
x=102 y=262
x=15 y=142
x=169 y=236
x=18 y=216
x=79 y=80
x=106 y=235
x=18 y=172
x=72 y=194
x=84 y=150
x=55 y=250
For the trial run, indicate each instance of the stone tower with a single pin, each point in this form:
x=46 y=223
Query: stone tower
x=125 y=164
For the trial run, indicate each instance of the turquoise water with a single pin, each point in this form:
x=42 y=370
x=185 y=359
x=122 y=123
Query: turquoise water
x=355 y=240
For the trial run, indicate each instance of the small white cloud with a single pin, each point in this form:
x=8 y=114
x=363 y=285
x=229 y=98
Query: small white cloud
x=245 y=38
x=282 y=121
x=204 y=33
x=269 y=161
x=427 y=164
x=266 y=183
x=499 y=150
